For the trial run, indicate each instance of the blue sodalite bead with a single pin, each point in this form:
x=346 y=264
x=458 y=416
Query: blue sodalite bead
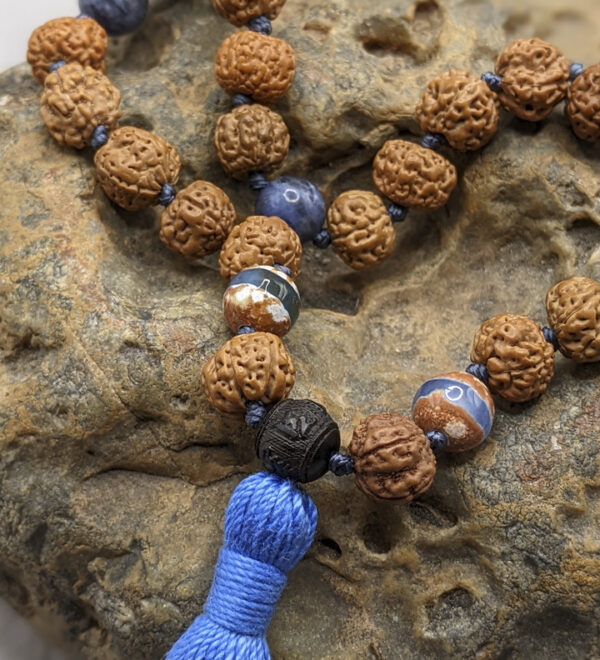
x=296 y=201
x=116 y=16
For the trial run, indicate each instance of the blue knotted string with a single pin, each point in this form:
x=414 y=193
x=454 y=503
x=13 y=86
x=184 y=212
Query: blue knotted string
x=255 y=411
x=341 y=464
x=550 y=337
x=167 y=194
x=99 y=137
x=269 y=525
x=479 y=371
x=323 y=239
x=397 y=212
x=433 y=141
x=55 y=66
x=256 y=180
x=241 y=99
x=493 y=81
x=260 y=24
x=283 y=269
x=438 y=440
x=575 y=69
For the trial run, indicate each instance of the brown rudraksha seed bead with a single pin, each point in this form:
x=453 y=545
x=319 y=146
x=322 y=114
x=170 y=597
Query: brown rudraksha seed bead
x=583 y=104
x=573 y=308
x=133 y=166
x=255 y=64
x=360 y=228
x=260 y=241
x=239 y=12
x=535 y=77
x=296 y=439
x=392 y=457
x=461 y=107
x=70 y=39
x=75 y=101
x=413 y=176
x=519 y=360
x=251 y=138
x=197 y=221
x=252 y=367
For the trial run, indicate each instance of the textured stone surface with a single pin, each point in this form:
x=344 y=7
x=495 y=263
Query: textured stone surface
x=114 y=470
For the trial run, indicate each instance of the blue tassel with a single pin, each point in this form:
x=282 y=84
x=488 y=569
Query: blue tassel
x=269 y=525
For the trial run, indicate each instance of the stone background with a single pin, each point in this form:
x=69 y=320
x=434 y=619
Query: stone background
x=114 y=472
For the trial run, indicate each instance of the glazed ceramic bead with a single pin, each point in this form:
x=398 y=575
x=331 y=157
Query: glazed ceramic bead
x=462 y=108
x=457 y=404
x=263 y=298
x=70 y=39
x=583 y=104
x=296 y=439
x=251 y=138
x=413 y=176
x=392 y=457
x=240 y=12
x=134 y=165
x=535 y=77
x=256 y=65
x=360 y=228
x=252 y=367
x=76 y=99
x=519 y=360
x=260 y=241
x=573 y=308
x=197 y=221
x=116 y=17
x=297 y=201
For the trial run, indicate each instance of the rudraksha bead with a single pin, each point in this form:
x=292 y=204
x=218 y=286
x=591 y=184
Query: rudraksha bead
x=76 y=99
x=70 y=39
x=296 y=439
x=392 y=457
x=573 y=308
x=260 y=241
x=197 y=221
x=519 y=360
x=262 y=298
x=360 y=228
x=251 y=138
x=255 y=64
x=462 y=108
x=250 y=367
x=457 y=404
x=239 y=12
x=583 y=104
x=116 y=17
x=134 y=165
x=535 y=77
x=413 y=176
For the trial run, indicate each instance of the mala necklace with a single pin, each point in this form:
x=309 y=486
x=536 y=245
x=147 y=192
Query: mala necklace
x=270 y=521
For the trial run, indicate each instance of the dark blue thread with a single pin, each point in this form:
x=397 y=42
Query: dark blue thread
x=479 y=371
x=323 y=239
x=341 y=464
x=167 y=194
x=437 y=440
x=397 y=213
x=260 y=24
x=493 y=81
x=255 y=411
x=99 y=137
x=257 y=181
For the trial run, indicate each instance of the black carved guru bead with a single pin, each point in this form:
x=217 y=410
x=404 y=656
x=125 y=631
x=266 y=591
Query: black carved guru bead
x=296 y=440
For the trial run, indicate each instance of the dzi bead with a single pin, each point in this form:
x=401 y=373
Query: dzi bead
x=413 y=176
x=519 y=360
x=392 y=457
x=260 y=241
x=264 y=298
x=295 y=200
x=573 y=308
x=296 y=439
x=583 y=104
x=457 y=404
x=116 y=17
x=76 y=99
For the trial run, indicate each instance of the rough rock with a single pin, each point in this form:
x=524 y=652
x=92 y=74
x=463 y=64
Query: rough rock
x=114 y=470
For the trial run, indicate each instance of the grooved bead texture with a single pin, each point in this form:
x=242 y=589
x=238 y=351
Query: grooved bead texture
x=260 y=241
x=413 y=176
x=361 y=229
x=133 y=166
x=71 y=39
x=251 y=138
x=255 y=64
x=75 y=100
x=197 y=221
x=535 y=77
x=392 y=457
x=519 y=360
x=462 y=108
x=252 y=367
x=239 y=12
x=583 y=104
x=573 y=308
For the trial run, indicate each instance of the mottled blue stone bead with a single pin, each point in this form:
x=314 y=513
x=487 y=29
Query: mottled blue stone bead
x=296 y=201
x=116 y=16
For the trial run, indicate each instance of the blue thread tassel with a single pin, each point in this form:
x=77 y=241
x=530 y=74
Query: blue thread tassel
x=269 y=525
